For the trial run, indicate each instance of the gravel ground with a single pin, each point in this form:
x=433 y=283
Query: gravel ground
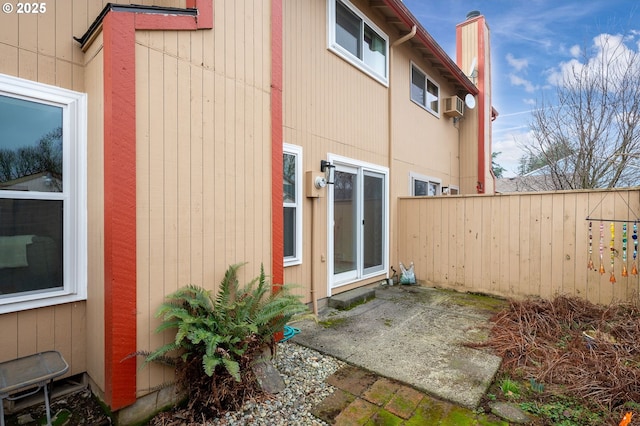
x=304 y=372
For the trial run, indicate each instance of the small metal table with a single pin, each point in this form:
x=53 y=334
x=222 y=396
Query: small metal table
x=33 y=370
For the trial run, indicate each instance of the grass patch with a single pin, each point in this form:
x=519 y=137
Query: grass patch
x=510 y=388
x=563 y=412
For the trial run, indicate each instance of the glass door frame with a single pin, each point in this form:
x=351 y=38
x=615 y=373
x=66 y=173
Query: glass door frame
x=349 y=277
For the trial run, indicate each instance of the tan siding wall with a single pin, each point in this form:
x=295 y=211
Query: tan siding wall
x=530 y=244
x=422 y=142
x=330 y=106
x=94 y=78
x=327 y=98
x=203 y=160
x=59 y=328
x=203 y=168
x=469 y=126
x=41 y=48
x=488 y=176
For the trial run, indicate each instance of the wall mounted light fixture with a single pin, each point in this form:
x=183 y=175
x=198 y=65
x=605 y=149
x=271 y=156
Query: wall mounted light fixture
x=329 y=171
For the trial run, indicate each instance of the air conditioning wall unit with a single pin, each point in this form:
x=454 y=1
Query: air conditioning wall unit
x=453 y=107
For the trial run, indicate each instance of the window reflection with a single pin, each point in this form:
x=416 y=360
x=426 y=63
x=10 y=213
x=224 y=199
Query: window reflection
x=30 y=146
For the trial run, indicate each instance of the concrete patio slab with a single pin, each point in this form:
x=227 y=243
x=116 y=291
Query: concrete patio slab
x=415 y=335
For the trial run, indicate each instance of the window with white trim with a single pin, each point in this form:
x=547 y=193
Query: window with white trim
x=424 y=91
x=424 y=185
x=292 y=203
x=450 y=190
x=43 y=249
x=357 y=39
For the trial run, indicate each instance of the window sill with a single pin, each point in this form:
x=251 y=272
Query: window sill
x=430 y=111
x=292 y=262
x=359 y=64
x=23 y=303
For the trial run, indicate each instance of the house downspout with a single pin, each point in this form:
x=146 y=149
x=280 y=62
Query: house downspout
x=404 y=38
x=396 y=43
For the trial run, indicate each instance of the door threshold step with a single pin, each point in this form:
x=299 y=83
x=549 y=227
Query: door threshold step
x=351 y=298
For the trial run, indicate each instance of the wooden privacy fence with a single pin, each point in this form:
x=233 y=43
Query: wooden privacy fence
x=521 y=244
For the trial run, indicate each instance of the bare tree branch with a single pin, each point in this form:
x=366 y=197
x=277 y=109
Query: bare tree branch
x=590 y=137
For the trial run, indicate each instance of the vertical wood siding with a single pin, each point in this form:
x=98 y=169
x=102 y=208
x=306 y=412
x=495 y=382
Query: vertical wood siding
x=325 y=97
x=94 y=83
x=469 y=126
x=41 y=48
x=330 y=106
x=61 y=328
x=518 y=245
x=204 y=176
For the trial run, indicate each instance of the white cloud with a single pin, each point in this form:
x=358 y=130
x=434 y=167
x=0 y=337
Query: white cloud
x=519 y=81
x=529 y=101
x=518 y=64
x=539 y=22
x=510 y=151
x=608 y=50
x=575 y=51
x=511 y=145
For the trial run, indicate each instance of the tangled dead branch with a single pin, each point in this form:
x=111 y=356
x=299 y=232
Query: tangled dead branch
x=579 y=349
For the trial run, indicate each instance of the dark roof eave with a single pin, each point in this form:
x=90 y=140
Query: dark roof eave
x=133 y=8
x=427 y=40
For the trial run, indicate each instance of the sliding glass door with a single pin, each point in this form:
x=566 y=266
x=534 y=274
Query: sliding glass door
x=358 y=214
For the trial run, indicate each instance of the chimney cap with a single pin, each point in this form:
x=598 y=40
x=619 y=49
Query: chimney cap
x=473 y=14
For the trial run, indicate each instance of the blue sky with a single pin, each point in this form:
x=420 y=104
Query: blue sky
x=531 y=41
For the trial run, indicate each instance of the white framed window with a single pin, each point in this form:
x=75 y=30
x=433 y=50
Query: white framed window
x=43 y=231
x=425 y=91
x=357 y=39
x=450 y=190
x=424 y=185
x=292 y=203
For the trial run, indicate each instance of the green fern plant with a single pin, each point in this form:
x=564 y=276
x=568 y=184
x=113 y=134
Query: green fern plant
x=226 y=329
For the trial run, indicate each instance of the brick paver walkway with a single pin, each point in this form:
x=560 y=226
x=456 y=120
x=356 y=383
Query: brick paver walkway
x=364 y=399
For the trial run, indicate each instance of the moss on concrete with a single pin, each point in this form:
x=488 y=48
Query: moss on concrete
x=332 y=322
x=384 y=418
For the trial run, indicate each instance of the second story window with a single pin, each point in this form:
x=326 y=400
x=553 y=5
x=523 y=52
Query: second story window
x=424 y=91
x=357 y=39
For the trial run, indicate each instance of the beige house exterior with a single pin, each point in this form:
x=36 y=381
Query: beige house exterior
x=181 y=121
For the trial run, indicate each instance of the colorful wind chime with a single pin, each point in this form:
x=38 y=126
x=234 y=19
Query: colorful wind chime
x=634 y=236
x=624 y=272
x=613 y=253
x=590 y=264
x=612 y=250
